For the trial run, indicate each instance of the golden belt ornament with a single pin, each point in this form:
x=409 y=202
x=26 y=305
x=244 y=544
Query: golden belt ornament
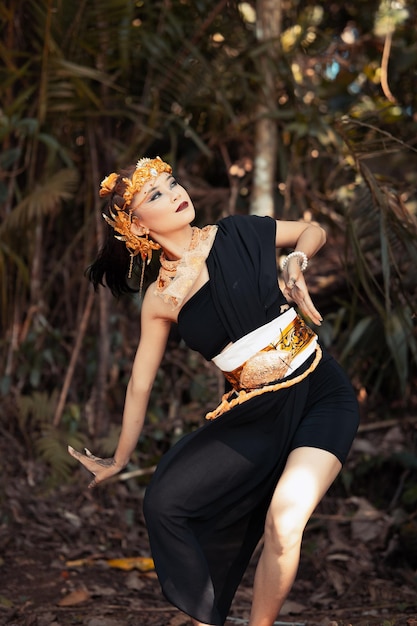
x=273 y=362
x=263 y=372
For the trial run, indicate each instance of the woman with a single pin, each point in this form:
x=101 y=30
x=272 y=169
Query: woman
x=278 y=439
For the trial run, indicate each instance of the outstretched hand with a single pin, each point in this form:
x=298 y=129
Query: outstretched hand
x=102 y=469
x=296 y=290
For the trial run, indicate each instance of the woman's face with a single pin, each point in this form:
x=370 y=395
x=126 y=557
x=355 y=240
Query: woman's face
x=162 y=205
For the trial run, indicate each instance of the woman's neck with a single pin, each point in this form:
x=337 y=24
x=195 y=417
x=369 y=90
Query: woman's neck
x=175 y=243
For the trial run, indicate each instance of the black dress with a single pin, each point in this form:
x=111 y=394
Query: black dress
x=206 y=505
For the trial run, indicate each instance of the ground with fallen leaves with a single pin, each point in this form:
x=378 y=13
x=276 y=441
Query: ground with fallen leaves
x=71 y=556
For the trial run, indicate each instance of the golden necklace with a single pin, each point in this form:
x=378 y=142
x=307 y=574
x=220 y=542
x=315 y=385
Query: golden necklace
x=176 y=278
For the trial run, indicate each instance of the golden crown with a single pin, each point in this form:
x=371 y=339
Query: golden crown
x=121 y=221
x=145 y=170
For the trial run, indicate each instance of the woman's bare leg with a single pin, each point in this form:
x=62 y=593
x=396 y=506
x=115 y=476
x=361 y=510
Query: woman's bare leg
x=308 y=474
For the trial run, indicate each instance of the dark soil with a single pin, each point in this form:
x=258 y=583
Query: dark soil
x=358 y=565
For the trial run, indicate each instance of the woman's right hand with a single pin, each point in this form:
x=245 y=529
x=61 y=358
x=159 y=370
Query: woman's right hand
x=296 y=290
x=102 y=469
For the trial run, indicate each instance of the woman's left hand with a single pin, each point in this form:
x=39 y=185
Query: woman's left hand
x=296 y=290
x=102 y=469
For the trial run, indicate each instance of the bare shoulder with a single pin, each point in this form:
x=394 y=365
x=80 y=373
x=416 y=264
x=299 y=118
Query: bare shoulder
x=154 y=332
x=155 y=309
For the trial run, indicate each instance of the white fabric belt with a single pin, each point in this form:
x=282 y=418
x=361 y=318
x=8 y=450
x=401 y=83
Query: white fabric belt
x=244 y=348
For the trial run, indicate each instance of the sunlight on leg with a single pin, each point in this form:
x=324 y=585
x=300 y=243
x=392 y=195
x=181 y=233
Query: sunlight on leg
x=308 y=474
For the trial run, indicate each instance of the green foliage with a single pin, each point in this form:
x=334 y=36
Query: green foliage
x=397 y=473
x=44 y=441
x=42 y=201
x=389 y=16
x=380 y=256
x=88 y=87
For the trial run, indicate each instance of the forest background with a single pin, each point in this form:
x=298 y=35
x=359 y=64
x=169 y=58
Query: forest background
x=298 y=109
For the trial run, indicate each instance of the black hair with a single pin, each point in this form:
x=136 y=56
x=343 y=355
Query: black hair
x=111 y=266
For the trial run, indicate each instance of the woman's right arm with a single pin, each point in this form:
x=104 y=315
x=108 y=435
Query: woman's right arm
x=153 y=339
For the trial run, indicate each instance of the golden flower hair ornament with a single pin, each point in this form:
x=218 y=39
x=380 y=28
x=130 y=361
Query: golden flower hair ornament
x=135 y=244
x=121 y=220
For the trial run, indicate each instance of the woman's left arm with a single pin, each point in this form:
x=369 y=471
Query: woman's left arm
x=302 y=237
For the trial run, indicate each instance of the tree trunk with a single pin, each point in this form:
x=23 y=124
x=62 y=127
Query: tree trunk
x=96 y=411
x=268 y=29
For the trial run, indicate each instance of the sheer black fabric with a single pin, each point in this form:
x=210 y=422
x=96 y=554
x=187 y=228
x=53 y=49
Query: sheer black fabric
x=205 y=507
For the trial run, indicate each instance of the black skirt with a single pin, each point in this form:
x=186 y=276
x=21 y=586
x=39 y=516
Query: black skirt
x=206 y=505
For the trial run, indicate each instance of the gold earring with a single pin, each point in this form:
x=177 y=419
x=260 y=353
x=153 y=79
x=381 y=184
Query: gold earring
x=129 y=274
x=142 y=276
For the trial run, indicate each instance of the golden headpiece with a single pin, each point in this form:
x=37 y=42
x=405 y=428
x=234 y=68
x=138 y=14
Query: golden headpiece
x=121 y=221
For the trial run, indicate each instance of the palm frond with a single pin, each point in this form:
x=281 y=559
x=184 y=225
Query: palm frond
x=49 y=444
x=381 y=256
x=43 y=200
